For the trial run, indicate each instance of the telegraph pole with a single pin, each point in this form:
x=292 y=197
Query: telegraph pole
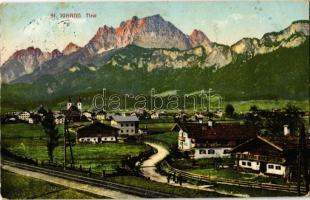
x=209 y=91
x=65 y=142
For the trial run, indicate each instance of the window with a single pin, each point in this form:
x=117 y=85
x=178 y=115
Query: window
x=226 y=151
x=127 y=131
x=243 y=163
x=105 y=139
x=126 y=124
x=131 y=124
x=278 y=167
x=202 y=151
x=211 y=151
x=82 y=139
x=249 y=164
x=131 y=130
x=88 y=139
x=270 y=166
x=121 y=125
x=121 y=131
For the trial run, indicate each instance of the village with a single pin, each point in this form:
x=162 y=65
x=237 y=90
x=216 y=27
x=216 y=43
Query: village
x=200 y=144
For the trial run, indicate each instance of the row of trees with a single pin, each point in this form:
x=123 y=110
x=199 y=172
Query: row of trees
x=273 y=122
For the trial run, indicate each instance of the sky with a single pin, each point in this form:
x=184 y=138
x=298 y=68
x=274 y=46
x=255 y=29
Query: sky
x=30 y=24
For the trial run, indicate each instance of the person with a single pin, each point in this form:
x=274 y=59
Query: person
x=180 y=179
x=174 y=176
x=168 y=178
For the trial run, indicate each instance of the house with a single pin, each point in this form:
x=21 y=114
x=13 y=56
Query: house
x=127 y=125
x=87 y=114
x=97 y=133
x=271 y=155
x=59 y=118
x=25 y=115
x=212 y=140
x=101 y=115
x=158 y=115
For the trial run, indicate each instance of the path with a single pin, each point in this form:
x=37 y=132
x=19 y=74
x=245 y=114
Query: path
x=72 y=184
x=148 y=170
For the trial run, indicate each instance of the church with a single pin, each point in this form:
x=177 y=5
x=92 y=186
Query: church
x=74 y=111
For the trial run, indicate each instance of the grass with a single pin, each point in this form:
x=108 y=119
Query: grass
x=22 y=130
x=249 y=192
x=168 y=138
x=229 y=173
x=243 y=106
x=15 y=186
x=152 y=185
x=99 y=157
x=157 y=126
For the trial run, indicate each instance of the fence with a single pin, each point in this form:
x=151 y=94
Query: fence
x=166 y=168
x=76 y=169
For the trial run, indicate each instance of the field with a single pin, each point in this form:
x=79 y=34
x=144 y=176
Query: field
x=229 y=173
x=158 y=127
x=30 y=141
x=242 y=106
x=16 y=186
x=168 y=138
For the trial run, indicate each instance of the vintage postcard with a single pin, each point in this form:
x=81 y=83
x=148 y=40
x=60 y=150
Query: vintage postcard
x=154 y=99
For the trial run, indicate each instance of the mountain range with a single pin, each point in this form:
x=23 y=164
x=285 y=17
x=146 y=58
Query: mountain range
x=149 y=52
x=153 y=32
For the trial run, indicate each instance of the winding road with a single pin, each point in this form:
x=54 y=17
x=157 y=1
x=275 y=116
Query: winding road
x=148 y=167
x=148 y=170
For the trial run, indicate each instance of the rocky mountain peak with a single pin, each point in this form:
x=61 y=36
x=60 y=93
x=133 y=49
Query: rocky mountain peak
x=30 y=51
x=56 y=53
x=70 y=48
x=199 y=38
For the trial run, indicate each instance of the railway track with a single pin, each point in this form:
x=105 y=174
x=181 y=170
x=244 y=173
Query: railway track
x=92 y=181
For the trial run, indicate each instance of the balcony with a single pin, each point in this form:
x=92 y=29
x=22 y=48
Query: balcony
x=272 y=159
x=181 y=138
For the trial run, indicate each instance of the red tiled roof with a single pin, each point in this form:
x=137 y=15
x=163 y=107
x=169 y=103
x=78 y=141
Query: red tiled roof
x=219 y=131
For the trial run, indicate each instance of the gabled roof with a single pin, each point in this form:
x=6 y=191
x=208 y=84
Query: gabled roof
x=97 y=129
x=119 y=118
x=201 y=131
x=281 y=143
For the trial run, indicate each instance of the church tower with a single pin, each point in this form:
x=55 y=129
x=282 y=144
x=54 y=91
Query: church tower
x=69 y=103
x=79 y=104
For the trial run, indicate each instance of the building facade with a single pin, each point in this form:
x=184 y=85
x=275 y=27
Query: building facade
x=97 y=133
x=275 y=155
x=127 y=125
x=212 y=140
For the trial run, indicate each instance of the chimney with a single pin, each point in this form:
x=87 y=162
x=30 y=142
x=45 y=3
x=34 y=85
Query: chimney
x=210 y=123
x=286 y=130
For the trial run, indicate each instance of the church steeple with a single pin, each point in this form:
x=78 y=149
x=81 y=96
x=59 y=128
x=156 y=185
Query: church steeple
x=69 y=103
x=79 y=104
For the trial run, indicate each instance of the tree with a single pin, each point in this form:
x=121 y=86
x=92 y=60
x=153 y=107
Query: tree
x=229 y=110
x=254 y=109
x=50 y=129
x=293 y=117
x=253 y=117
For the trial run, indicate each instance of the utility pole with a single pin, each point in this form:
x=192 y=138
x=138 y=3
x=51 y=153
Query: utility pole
x=67 y=139
x=209 y=91
x=302 y=161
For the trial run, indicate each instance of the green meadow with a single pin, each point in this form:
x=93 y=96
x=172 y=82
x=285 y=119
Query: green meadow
x=30 y=141
x=15 y=186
